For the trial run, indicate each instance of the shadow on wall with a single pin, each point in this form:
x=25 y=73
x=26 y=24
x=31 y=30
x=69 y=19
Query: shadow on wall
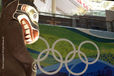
x=0 y=8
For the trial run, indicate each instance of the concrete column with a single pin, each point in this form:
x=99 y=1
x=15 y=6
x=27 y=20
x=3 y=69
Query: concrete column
x=53 y=6
x=73 y=22
x=113 y=26
x=109 y=27
x=110 y=20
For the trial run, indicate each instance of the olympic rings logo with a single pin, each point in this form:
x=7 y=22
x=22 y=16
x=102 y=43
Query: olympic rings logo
x=66 y=61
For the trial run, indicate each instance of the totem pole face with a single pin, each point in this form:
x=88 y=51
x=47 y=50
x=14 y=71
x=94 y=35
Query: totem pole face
x=28 y=18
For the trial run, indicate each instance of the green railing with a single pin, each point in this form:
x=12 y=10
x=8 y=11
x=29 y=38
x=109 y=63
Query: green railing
x=97 y=13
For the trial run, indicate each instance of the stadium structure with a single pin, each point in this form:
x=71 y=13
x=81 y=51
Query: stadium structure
x=91 y=14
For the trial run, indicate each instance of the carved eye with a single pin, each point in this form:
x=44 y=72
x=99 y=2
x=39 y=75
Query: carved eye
x=23 y=8
x=35 y=16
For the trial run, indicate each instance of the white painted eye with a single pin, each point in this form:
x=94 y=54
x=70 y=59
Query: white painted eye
x=35 y=16
x=32 y=12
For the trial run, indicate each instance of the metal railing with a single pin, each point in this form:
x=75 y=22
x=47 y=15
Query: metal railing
x=55 y=15
x=86 y=21
x=97 y=13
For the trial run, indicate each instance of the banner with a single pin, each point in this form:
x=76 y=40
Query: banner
x=66 y=51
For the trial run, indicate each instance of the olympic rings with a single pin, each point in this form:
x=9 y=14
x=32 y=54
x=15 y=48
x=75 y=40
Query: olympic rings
x=98 y=52
x=66 y=61
x=48 y=73
x=80 y=72
x=47 y=47
x=53 y=46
